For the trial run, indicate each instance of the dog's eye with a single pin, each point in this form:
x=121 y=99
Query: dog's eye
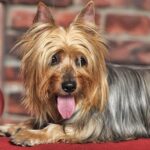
x=55 y=60
x=81 y=61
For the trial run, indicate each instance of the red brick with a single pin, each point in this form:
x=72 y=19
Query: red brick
x=126 y=24
x=144 y=58
x=143 y=54
x=145 y=4
x=129 y=52
x=66 y=17
x=22 y=19
x=120 y=51
x=57 y=3
x=14 y=104
x=109 y=3
x=10 y=42
x=23 y=1
x=12 y=74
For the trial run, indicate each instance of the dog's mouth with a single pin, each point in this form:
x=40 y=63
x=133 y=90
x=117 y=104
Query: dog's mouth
x=66 y=106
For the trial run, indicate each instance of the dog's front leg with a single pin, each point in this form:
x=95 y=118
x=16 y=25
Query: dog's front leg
x=28 y=137
x=54 y=133
x=11 y=129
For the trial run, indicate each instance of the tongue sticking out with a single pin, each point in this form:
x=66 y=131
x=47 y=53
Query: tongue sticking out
x=66 y=106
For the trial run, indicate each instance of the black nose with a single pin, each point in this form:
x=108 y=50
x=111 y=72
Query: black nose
x=69 y=86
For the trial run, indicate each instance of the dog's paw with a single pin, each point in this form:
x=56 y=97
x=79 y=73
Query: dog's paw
x=29 y=138
x=8 y=130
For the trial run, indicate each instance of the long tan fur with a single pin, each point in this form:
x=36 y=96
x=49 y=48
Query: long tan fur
x=38 y=46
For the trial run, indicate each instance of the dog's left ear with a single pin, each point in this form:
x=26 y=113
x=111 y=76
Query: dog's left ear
x=43 y=14
x=87 y=14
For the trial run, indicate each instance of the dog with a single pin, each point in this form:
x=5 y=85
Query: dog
x=73 y=95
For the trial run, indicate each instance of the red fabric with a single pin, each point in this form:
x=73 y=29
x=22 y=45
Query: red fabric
x=1 y=103
x=141 y=144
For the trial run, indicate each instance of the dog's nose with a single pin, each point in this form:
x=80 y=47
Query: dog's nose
x=69 y=86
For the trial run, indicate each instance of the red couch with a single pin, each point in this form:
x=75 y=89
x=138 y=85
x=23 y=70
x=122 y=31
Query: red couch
x=141 y=144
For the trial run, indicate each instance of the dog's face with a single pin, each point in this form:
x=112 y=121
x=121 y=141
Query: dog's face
x=63 y=68
x=70 y=70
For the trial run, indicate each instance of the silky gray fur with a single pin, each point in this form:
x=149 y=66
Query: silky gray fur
x=127 y=114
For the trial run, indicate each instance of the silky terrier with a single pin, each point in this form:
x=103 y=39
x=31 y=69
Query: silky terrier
x=73 y=95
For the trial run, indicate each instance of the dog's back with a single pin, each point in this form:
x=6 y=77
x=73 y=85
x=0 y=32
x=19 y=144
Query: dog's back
x=127 y=114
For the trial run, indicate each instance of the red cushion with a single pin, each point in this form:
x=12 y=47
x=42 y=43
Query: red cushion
x=1 y=103
x=141 y=144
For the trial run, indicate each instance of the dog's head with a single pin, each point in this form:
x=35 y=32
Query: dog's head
x=63 y=68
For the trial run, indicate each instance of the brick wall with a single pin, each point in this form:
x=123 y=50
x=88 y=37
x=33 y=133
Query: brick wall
x=124 y=23
x=1 y=40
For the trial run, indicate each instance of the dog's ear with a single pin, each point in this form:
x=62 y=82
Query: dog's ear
x=43 y=14
x=87 y=14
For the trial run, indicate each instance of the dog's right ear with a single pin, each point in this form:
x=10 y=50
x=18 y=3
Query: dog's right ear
x=43 y=14
x=87 y=14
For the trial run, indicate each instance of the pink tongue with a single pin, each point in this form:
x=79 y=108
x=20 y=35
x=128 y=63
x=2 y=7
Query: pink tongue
x=66 y=106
